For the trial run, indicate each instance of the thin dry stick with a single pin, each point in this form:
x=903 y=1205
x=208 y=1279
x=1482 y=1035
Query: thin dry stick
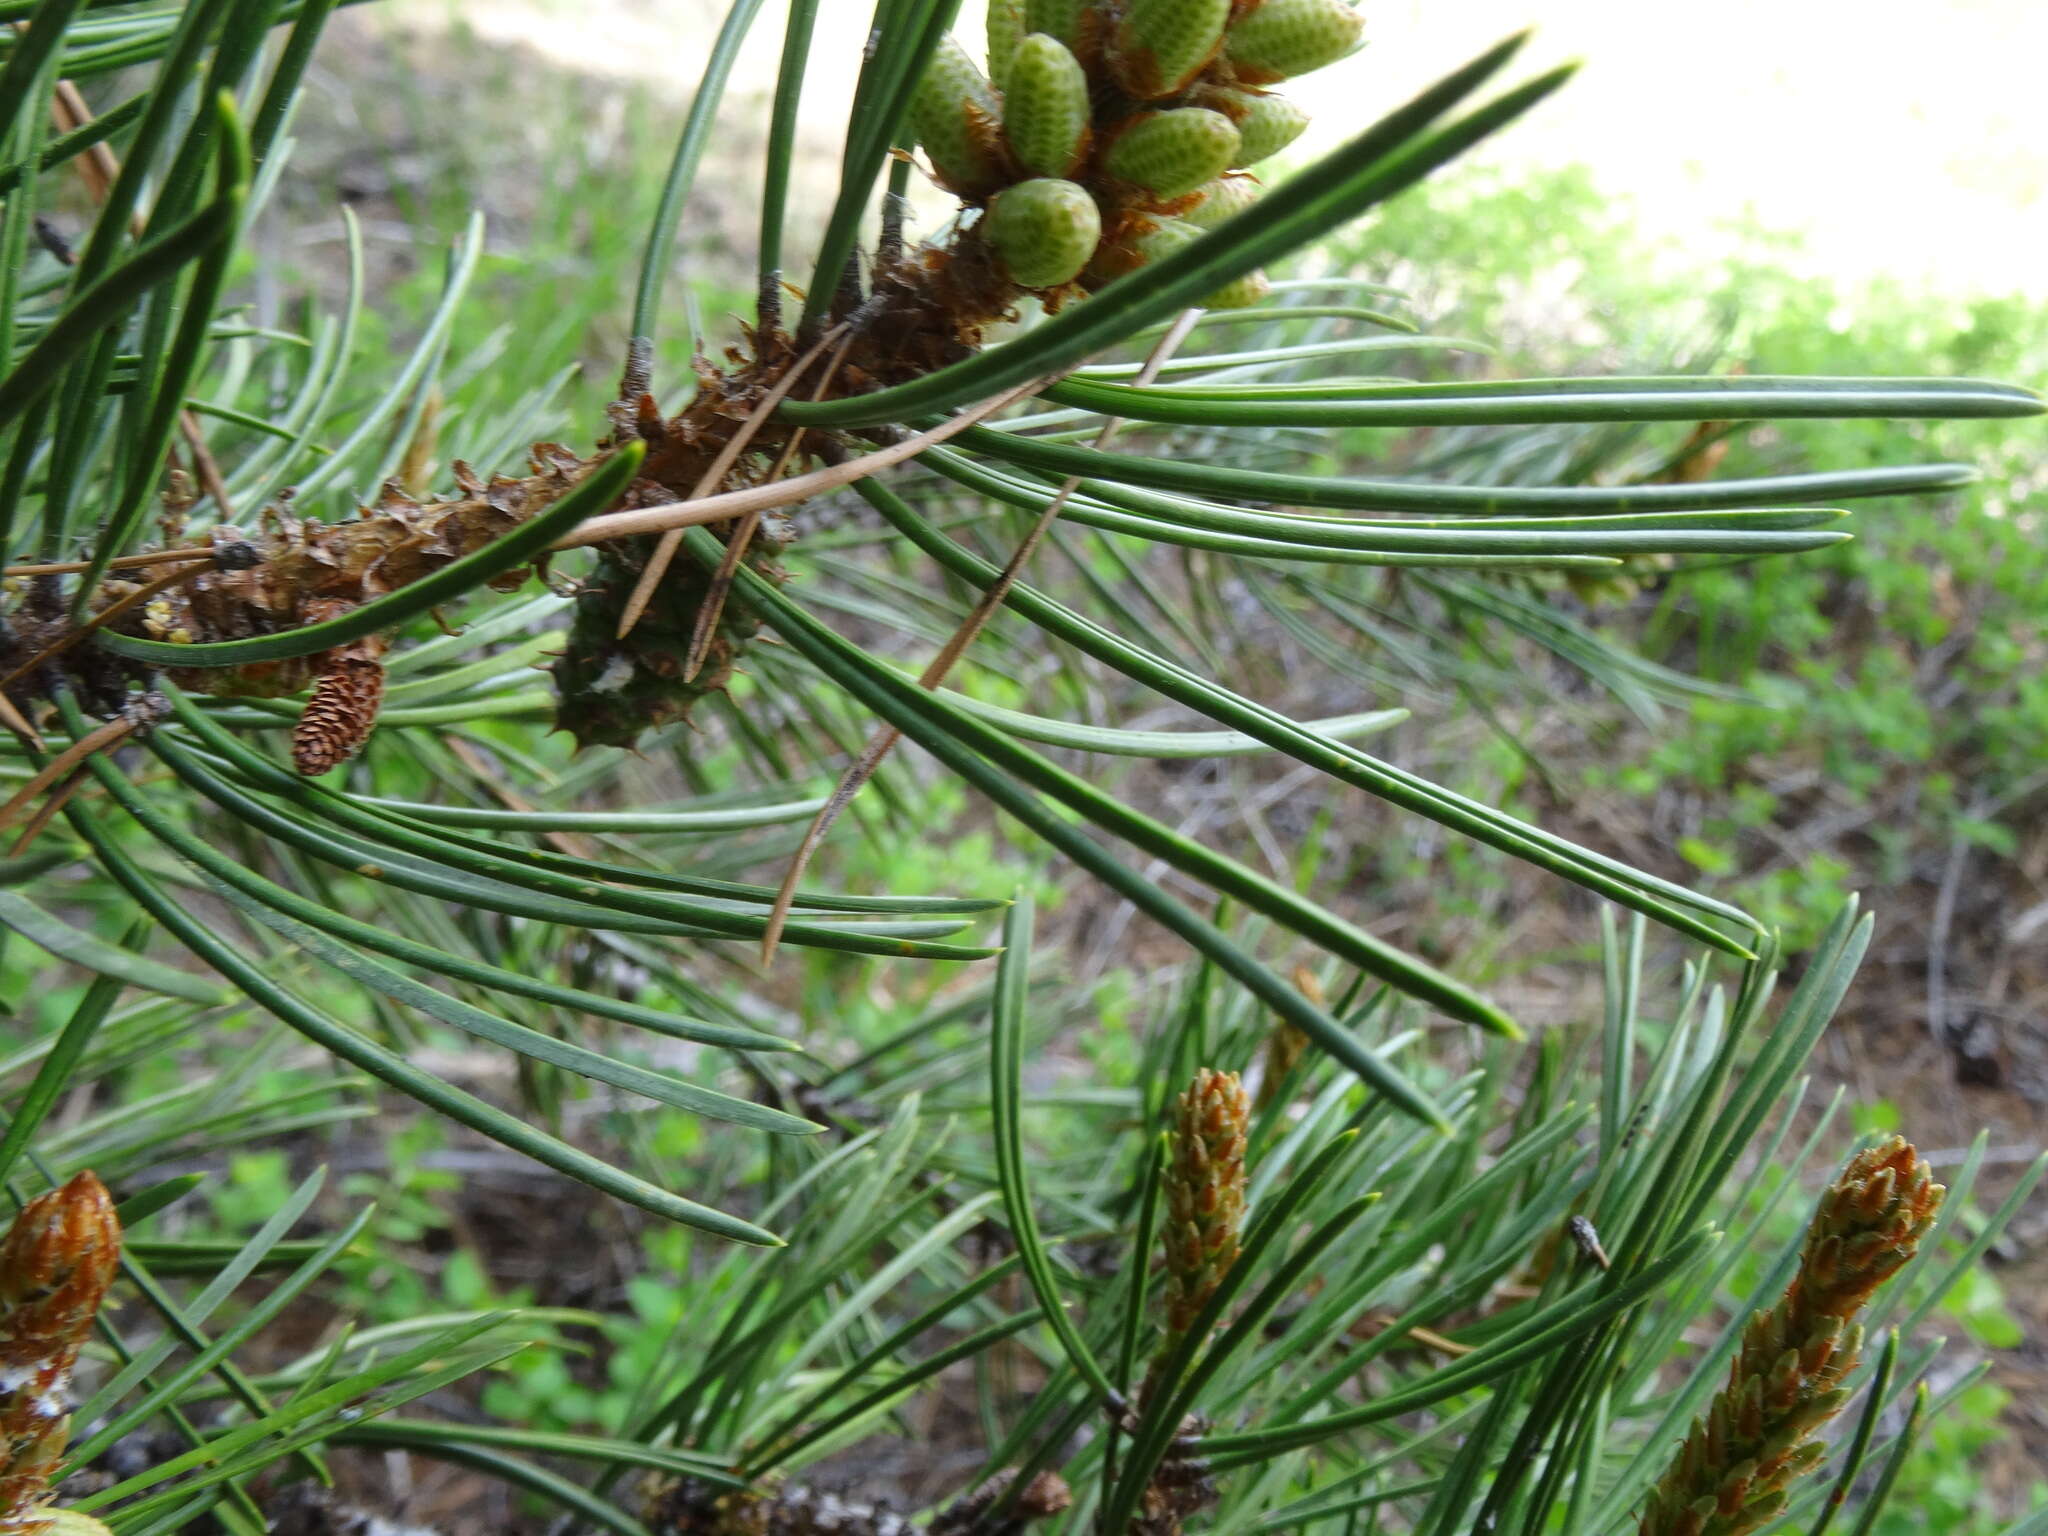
x=105 y=616
x=97 y=168
x=728 y=505
x=62 y=764
x=18 y=723
x=729 y=455
x=118 y=563
x=884 y=740
x=1436 y=1341
x=47 y=813
x=713 y=606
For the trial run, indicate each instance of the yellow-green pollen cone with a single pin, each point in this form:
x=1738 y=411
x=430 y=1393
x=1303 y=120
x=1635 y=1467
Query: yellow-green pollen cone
x=1045 y=230
x=1169 y=235
x=957 y=117
x=1161 y=45
x=1284 y=38
x=1268 y=125
x=1241 y=293
x=1126 y=123
x=1045 y=110
x=1161 y=239
x=1221 y=199
x=1172 y=153
x=1056 y=18
x=1005 y=27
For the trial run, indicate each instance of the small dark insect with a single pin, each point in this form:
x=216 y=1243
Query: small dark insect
x=236 y=555
x=1635 y=1124
x=1588 y=1239
x=55 y=241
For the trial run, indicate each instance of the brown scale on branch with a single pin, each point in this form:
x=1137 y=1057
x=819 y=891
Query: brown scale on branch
x=610 y=687
x=927 y=307
x=298 y=572
x=1180 y=1487
x=924 y=311
x=991 y=1509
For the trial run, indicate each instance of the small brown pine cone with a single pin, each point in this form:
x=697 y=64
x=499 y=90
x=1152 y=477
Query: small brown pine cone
x=56 y=1263
x=342 y=710
x=1731 y=1475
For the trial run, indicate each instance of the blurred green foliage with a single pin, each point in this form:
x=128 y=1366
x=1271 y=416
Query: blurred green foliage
x=1904 y=666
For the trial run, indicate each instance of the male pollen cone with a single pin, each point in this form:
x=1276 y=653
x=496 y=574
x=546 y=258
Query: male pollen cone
x=1204 y=1193
x=1732 y=1473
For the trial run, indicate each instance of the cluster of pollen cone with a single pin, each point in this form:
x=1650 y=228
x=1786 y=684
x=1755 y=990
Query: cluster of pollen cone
x=1107 y=134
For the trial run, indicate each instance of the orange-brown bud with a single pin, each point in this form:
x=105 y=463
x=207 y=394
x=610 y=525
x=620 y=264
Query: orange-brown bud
x=55 y=1266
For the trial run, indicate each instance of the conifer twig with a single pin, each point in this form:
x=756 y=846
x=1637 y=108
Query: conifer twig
x=727 y=505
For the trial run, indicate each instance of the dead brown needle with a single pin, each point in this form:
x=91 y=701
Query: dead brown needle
x=58 y=798
x=119 y=563
x=1431 y=1339
x=62 y=764
x=18 y=723
x=727 y=505
x=713 y=607
x=665 y=552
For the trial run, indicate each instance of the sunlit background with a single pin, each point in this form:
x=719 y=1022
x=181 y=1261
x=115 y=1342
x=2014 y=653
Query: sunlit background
x=1908 y=140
